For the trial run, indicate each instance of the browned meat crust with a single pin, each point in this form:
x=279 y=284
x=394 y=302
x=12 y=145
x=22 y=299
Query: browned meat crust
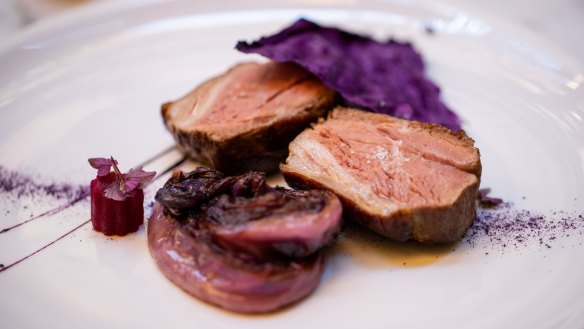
x=428 y=195
x=244 y=119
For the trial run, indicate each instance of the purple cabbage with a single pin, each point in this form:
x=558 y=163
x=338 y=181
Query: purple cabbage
x=385 y=77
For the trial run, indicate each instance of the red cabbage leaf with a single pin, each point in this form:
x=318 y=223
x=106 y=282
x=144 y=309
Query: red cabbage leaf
x=385 y=77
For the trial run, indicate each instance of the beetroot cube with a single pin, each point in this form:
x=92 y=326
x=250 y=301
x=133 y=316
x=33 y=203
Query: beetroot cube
x=112 y=217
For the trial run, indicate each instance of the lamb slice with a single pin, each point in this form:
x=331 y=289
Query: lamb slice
x=406 y=180
x=245 y=118
x=234 y=283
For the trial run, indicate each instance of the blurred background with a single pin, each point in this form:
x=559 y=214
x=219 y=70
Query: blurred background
x=559 y=21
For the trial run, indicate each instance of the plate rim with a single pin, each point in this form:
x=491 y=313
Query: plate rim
x=77 y=15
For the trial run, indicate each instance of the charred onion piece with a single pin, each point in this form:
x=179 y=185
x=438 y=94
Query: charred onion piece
x=282 y=222
x=224 y=280
x=238 y=243
x=183 y=192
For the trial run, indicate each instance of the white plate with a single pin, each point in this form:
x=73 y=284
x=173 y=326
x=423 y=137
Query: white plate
x=92 y=84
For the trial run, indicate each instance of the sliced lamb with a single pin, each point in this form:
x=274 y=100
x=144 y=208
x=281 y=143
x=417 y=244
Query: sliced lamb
x=244 y=119
x=235 y=242
x=404 y=179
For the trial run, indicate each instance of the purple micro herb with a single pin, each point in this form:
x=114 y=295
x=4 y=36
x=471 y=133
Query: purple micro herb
x=124 y=184
x=385 y=77
x=102 y=165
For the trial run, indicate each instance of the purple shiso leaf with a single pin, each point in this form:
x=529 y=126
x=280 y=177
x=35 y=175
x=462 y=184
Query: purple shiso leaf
x=386 y=77
x=113 y=192
x=138 y=178
x=124 y=184
x=102 y=165
x=120 y=181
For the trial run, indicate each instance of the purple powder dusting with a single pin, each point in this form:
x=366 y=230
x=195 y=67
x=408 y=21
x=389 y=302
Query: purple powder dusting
x=505 y=226
x=487 y=201
x=22 y=185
